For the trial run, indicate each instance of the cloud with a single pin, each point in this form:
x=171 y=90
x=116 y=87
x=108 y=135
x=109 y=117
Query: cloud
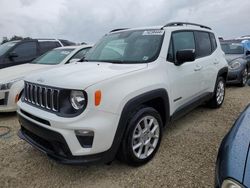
x=88 y=20
x=27 y=2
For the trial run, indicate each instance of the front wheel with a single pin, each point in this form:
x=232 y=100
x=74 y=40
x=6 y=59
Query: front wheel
x=142 y=138
x=219 y=94
x=244 y=77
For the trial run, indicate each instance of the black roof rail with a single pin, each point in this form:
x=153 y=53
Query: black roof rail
x=119 y=29
x=171 y=24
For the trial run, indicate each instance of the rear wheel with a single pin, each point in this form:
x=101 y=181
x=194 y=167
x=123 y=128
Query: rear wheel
x=219 y=94
x=142 y=138
x=244 y=77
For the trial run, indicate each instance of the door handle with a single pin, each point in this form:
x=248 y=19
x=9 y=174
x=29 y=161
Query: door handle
x=197 y=68
x=216 y=61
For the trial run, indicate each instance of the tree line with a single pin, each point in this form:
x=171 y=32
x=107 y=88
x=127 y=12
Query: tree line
x=15 y=37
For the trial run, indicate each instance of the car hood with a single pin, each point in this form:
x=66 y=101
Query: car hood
x=234 y=149
x=19 y=71
x=82 y=75
x=232 y=57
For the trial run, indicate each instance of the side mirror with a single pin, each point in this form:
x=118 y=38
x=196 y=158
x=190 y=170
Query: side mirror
x=12 y=55
x=74 y=60
x=247 y=52
x=183 y=56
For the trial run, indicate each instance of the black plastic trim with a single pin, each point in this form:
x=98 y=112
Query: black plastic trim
x=184 y=109
x=40 y=120
x=172 y=24
x=129 y=107
x=58 y=149
x=223 y=71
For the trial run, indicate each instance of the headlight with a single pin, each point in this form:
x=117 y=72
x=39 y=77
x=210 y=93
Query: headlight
x=6 y=86
x=235 y=65
x=231 y=184
x=78 y=100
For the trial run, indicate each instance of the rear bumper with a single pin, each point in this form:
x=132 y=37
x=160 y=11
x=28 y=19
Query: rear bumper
x=54 y=145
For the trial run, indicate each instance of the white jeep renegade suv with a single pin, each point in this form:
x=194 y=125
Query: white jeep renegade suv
x=133 y=83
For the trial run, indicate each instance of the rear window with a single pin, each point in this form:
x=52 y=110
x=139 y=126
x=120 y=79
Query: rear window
x=203 y=44
x=213 y=41
x=48 y=45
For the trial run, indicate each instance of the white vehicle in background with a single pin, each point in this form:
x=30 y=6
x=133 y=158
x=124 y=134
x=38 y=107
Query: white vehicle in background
x=11 y=79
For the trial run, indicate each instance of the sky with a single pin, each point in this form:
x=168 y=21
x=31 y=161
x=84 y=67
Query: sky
x=89 y=20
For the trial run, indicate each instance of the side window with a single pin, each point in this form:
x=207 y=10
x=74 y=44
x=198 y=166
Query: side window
x=26 y=50
x=213 y=41
x=47 y=46
x=183 y=40
x=203 y=44
x=81 y=53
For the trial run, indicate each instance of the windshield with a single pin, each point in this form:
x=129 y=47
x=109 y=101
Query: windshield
x=138 y=46
x=53 y=57
x=6 y=46
x=232 y=48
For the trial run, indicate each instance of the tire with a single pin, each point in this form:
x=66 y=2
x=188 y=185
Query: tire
x=244 y=77
x=140 y=144
x=219 y=94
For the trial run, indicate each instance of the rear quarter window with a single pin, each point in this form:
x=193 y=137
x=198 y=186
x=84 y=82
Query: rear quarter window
x=213 y=41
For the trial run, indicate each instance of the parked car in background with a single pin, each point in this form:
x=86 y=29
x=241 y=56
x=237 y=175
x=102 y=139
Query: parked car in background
x=133 y=83
x=24 y=51
x=245 y=37
x=233 y=161
x=238 y=57
x=11 y=79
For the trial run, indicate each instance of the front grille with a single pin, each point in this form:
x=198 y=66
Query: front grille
x=42 y=96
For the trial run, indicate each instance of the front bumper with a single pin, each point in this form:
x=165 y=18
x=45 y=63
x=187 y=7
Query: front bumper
x=54 y=145
x=234 y=76
x=56 y=136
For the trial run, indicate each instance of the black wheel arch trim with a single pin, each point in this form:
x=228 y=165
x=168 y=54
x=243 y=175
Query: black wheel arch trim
x=129 y=106
x=222 y=71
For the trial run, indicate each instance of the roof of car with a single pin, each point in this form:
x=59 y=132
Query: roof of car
x=171 y=24
x=75 y=47
x=230 y=41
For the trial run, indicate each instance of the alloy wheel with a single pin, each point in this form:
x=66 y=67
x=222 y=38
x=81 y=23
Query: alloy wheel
x=220 y=92
x=145 y=137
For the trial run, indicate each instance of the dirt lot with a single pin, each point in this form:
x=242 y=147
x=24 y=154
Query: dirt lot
x=186 y=157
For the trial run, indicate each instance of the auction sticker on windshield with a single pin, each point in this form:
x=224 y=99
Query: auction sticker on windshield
x=153 y=32
x=65 y=52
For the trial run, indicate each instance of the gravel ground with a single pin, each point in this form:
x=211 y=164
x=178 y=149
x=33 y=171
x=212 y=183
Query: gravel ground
x=186 y=157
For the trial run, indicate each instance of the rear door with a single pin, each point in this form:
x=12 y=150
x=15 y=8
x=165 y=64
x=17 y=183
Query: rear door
x=206 y=59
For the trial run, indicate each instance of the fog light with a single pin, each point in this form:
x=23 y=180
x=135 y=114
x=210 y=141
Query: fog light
x=85 y=138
